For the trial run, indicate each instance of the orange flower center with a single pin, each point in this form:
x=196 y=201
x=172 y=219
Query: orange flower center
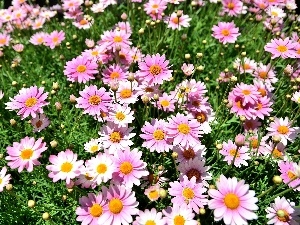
x=225 y=32
x=115 y=205
x=291 y=175
x=282 y=48
x=263 y=74
x=114 y=75
x=246 y=92
x=66 y=167
x=254 y=143
x=183 y=128
x=233 y=152
x=55 y=39
x=115 y=137
x=201 y=117
x=158 y=135
x=126 y=93
x=118 y=39
x=126 y=168
x=150 y=222
x=101 y=168
x=175 y=20
x=96 y=210
x=277 y=154
x=81 y=68
x=31 y=102
x=40 y=40
x=232 y=201
x=26 y=154
x=94 y=100
x=188 y=193
x=246 y=66
x=83 y=22
x=2 y=41
x=179 y=220
x=155 y=70
x=120 y=116
x=283 y=129
x=165 y=103
x=230 y=5
x=262 y=92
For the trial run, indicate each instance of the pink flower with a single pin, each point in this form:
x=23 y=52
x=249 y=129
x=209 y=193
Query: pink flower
x=188 y=192
x=64 y=166
x=296 y=97
x=155 y=136
x=232 y=201
x=265 y=73
x=115 y=40
x=38 y=38
x=179 y=214
x=245 y=65
x=24 y=155
x=176 y=22
x=54 y=39
x=130 y=167
x=91 y=209
x=18 y=47
x=29 y=101
x=121 y=205
x=283 y=212
x=152 y=192
x=154 y=69
x=127 y=92
x=121 y=115
x=190 y=152
x=40 y=122
x=225 y=32
x=4 y=178
x=4 y=39
x=166 y=103
x=188 y=69
x=155 y=8
x=281 y=48
x=114 y=72
x=149 y=216
x=232 y=7
x=282 y=128
x=183 y=130
x=93 y=100
x=80 y=69
x=288 y=173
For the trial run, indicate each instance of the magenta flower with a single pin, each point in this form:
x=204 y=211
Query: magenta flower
x=4 y=39
x=283 y=212
x=232 y=201
x=155 y=8
x=166 y=103
x=121 y=205
x=130 y=167
x=64 y=166
x=188 y=192
x=189 y=152
x=38 y=38
x=80 y=69
x=232 y=7
x=114 y=72
x=115 y=40
x=54 y=39
x=154 y=69
x=155 y=136
x=24 y=155
x=225 y=32
x=281 y=48
x=29 y=101
x=4 y=178
x=93 y=100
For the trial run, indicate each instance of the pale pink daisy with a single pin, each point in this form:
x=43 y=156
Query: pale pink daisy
x=263 y=107
x=179 y=214
x=154 y=69
x=54 y=39
x=84 y=22
x=188 y=69
x=296 y=97
x=40 y=122
x=188 y=192
x=197 y=103
x=64 y=166
x=25 y=155
x=130 y=167
x=115 y=40
x=232 y=201
x=183 y=130
x=38 y=23
x=4 y=39
x=265 y=73
x=92 y=146
x=155 y=8
x=4 y=178
x=283 y=212
x=238 y=154
x=289 y=174
x=93 y=100
x=115 y=138
x=18 y=47
x=96 y=54
x=225 y=32
x=232 y=7
x=85 y=179
x=152 y=192
x=149 y=90
x=177 y=22
x=80 y=69
x=121 y=205
x=245 y=65
x=38 y=38
x=127 y=92
x=91 y=209
x=281 y=48
x=121 y=115
x=149 y=217
x=251 y=125
x=283 y=128
x=275 y=12
x=113 y=72
x=204 y=118
x=29 y=101
x=248 y=93
x=189 y=152
x=277 y=150
x=166 y=103
x=90 y=43
x=155 y=136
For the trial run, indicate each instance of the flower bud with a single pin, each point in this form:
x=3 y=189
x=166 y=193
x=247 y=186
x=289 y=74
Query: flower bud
x=58 y=106
x=12 y=122
x=31 y=203
x=162 y=193
x=46 y=216
x=9 y=187
x=202 y=211
x=239 y=140
x=55 y=86
x=277 y=180
x=72 y=98
x=276 y=138
x=53 y=143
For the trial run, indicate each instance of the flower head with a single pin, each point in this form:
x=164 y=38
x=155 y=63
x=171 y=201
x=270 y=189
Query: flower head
x=225 y=32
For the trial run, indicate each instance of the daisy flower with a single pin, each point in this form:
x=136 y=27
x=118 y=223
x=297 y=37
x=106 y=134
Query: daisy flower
x=188 y=192
x=40 y=122
x=4 y=39
x=179 y=214
x=4 y=178
x=263 y=107
x=265 y=73
x=288 y=173
x=176 y=22
x=80 y=69
x=115 y=40
x=275 y=12
x=54 y=39
x=149 y=90
x=232 y=7
x=115 y=138
x=130 y=167
x=127 y=92
x=188 y=69
x=276 y=149
x=225 y=32
x=155 y=136
x=18 y=47
x=38 y=38
x=29 y=101
x=245 y=65
x=64 y=166
x=121 y=115
x=85 y=180
x=183 y=130
x=283 y=212
x=281 y=48
x=248 y=92
x=189 y=152
x=154 y=69
x=166 y=103
x=91 y=209
x=84 y=22
x=155 y=8
x=232 y=152
x=232 y=201
x=24 y=155
x=296 y=97
x=152 y=192
x=113 y=72
x=92 y=146
x=93 y=100
x=149 y=217
x=121 y=205
x=282 y=128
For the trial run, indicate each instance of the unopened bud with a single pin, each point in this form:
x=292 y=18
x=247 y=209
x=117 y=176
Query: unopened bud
x=163 y=193
x=277 y=180
x=31 y=203
x=46 y=216
x=12 y=122
x=53 y=144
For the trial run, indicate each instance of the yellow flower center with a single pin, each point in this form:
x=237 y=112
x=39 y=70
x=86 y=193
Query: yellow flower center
x=183 y=128
x=263 y=74
x=126 y=168
x=88 y=177
x=165 y=103
x=282 y=48
x=101 y=168
x=96 y=210
x=94 y=53
x=273 y=13
x=225 y=32
x=31 y=102
x=233 y=152
x=115 y=137
x=120 y=116
x=2 y=41
x=155 y=70
x=283 y=129
x=262 y=92
x=94 y=148
x=291 y=175
x=246 y=66
x=175 y=20
x=126 y=93
x=179 y=220
x=40 y=40
x=188 y=153
x=115 y=205
x=83 y=22
x=232 y=201
x=193 y=173
x=254 y=143
x=81 y=68
x=246 y=92
x=230 y=5
x=158 y=135
x=188 y=193
x=26 y=154
x=150 y=222
x=94 y=100
x=155 y=6
x=283 y=215
x=55 y=39
x=118 y=39
x=277 y=154
x=114 y=75
x=66 y=167
x=153 y=195
x=0 y=180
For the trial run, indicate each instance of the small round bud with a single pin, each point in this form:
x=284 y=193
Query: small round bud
x=200 y=68
x=145 y=99
x=256 y=163
x=233 y=79
x=160 y=167
x=70 y=190
x=55 y=86
x=276 y=138
x=187 y=56
x=174 y=155
x=239 y=140
x=202 y=211
x=243 y=53
x=148 y=22
x=53 y=144
x=74 y=36
x=219 y=146
x=225 y=101
x=141 y=31
x=277 y=180
x=298 y=79
x=162 y=193
x=155 y=97
x=9 y=187
x=124 y=16
x=184 y=37
x=288 y=96
x=226 y=70
x=58 y=106
x=242 y=118
x=204 y=42
x=152 y=23
x=14 y=83
x=236 y=46
x=229 y=105
x=1 y=156
x=211 y=186
x=179 y=13
x=72 y=98
x=130 y=77
x=31 y=203
x=64 y=197
x=12 y=122
x=53 y=92
x=199 y=54
x=46 y=216
x=271 y=118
